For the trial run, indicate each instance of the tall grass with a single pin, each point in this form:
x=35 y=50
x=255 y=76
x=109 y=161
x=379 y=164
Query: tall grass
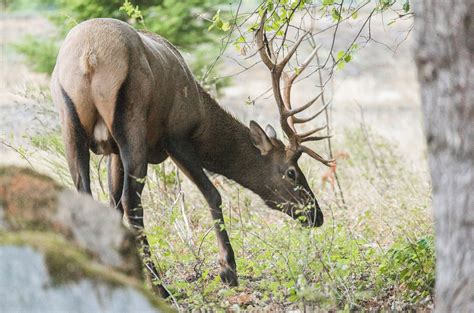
x=376 y=251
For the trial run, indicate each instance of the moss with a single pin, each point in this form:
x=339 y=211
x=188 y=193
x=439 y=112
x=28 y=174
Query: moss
x=67 y=263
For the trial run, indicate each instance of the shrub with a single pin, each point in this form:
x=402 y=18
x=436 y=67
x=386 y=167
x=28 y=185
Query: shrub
x=40 y=53
x=182 y=23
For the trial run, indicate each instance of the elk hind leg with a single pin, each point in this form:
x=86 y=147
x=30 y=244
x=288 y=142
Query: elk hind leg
x=115 y=177
x=134 y=172
x=77 y=146
x=130 y=136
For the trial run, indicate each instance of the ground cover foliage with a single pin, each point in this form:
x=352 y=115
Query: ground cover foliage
x=374 y=251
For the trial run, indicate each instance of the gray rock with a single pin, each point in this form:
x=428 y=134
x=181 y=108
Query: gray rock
x=26 y=286
x=93 y=226
x=61 y=251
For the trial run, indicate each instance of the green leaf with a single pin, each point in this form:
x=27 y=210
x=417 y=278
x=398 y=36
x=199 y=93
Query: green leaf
x=336 y=15
x=226 y=26
x=341 y=64
x=406 y=6
x=297 y=71
x=132 y=11
x=340 y=54
x=391 y=22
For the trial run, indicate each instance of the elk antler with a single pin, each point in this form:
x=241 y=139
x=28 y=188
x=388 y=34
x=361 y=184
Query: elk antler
x=287 y=113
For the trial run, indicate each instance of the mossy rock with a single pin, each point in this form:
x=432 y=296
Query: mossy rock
x=28 y=198
x=35 y=202
x=68 y=264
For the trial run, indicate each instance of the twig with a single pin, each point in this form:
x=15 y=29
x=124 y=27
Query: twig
x=183 y=209
x=328 y=131
x=99 y=176
x=164 y=287
x=369 y=144
x=22 y=155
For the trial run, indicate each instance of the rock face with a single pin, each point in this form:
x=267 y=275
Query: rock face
x=62 y=251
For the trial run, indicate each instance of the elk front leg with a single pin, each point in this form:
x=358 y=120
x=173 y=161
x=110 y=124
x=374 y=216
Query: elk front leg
x=184 y=155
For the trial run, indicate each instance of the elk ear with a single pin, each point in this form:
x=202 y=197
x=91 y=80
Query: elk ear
x=270 y=131
x=259 y=139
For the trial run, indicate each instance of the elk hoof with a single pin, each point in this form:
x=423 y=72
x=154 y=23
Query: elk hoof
x=229 y=276
x=160 y=291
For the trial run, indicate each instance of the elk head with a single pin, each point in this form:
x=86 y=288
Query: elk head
x=294 y=195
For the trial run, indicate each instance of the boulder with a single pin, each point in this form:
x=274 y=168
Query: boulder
x=62 y=251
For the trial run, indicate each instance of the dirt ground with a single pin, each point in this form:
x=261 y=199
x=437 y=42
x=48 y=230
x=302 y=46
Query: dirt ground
x=380 y=81
x=20 y=88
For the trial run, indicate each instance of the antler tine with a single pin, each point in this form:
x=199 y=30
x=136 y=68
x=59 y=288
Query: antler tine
x=305 y=63
x=316 y=156
x=315 y=138
x=298 y=120
x=311 y=132
x=292 y=51
x=303 y=107
x=259 y=36
x=288 y=84
x=290 y=79
x=276 y=71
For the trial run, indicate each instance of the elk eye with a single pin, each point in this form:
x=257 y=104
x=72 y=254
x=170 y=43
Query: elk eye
x=291 y=174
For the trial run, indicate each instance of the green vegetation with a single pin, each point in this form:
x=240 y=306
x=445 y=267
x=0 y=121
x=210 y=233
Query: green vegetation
x=376 y=251
x=40 y=53
x=185 y=24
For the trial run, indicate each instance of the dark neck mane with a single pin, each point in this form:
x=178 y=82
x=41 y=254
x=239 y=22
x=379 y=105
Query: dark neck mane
x=225 y=148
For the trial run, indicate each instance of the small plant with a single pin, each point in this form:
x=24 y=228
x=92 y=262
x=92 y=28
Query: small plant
x=40 y=53
x=410 y=266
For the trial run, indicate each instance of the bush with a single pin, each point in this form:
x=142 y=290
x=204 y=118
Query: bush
x=40 y=53
x=410 y=264
x=179 y=22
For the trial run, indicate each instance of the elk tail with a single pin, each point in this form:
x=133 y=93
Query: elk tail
x=88 y=62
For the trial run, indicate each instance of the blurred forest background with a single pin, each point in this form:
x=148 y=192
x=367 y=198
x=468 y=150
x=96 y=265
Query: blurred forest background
x=376 y=248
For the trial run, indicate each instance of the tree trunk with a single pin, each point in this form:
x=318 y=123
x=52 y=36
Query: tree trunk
x=445 y=60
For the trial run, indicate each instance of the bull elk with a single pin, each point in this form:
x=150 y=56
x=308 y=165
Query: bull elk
x=128 y=94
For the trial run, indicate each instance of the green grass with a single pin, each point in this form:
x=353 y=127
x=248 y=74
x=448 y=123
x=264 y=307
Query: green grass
x=374 y=252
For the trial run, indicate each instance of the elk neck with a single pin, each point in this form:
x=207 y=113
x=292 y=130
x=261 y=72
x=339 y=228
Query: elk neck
x=225 y=148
